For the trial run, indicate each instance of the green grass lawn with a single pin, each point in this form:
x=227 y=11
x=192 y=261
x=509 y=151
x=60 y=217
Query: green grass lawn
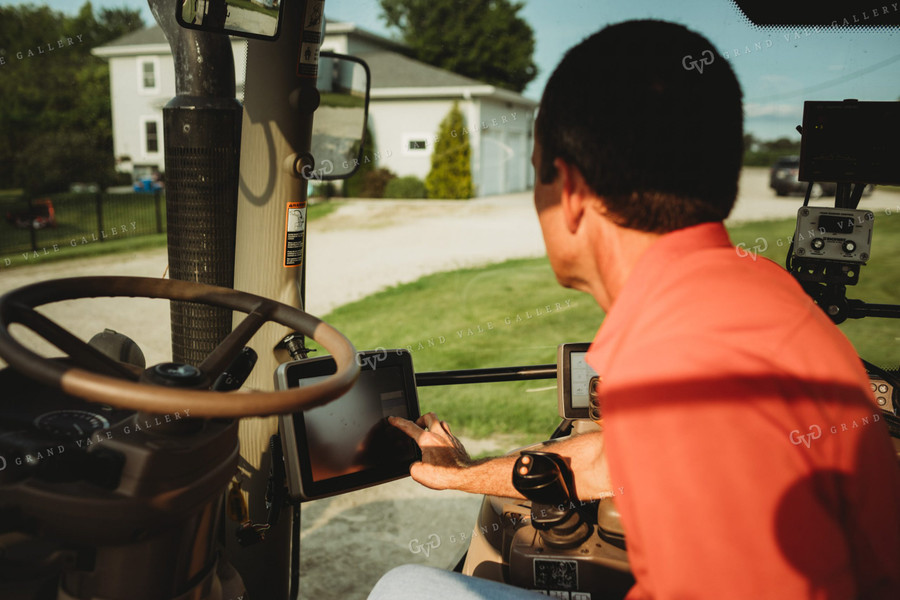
x=877 y=340
x=341 y=100
x=76 y=234
x=129 y=221
x=515 y=313
x=323 y=208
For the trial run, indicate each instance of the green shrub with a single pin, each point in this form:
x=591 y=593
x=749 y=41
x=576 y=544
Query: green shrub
x=326 y=190
x=375 y=181
x=354 y=186
x=405 y=187
x=764 y=158
x=120 y=179
x=451 y=170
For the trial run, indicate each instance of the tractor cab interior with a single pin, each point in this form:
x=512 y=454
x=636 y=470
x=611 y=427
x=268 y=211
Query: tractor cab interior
x=118 y=478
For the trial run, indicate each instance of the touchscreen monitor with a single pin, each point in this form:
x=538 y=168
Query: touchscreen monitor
x=348 y=444
x=574 y=376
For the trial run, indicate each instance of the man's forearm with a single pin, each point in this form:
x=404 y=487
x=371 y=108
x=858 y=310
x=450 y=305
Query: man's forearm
x=583 y=453
x=490 y=476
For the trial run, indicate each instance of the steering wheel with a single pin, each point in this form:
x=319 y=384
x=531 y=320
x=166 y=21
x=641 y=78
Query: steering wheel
x=98 y=378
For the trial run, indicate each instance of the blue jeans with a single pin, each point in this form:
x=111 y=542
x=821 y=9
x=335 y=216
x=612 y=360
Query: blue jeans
x=416 y=582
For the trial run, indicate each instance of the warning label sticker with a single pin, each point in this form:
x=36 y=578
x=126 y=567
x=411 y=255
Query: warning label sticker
x=294 y=230
x=308 y=60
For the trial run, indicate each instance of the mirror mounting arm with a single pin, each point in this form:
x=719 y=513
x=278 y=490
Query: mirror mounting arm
x=204 y=62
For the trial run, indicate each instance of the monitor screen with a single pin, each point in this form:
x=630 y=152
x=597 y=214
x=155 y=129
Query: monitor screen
x=574 y=381
x=348 y=444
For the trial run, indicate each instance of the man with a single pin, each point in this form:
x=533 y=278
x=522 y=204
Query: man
x=713 y=364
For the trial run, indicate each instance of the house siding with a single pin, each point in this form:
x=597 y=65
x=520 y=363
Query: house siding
x=500 y=154
x=132 y=106
x=394 y=121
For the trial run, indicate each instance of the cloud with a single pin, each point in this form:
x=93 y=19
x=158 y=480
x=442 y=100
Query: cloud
x=756 y=111
x=777 y=79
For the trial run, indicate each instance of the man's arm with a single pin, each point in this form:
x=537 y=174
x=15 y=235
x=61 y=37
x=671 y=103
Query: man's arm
x=446 y=464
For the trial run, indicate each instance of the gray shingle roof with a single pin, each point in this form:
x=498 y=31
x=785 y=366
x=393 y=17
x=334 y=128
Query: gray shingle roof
x=393 y=70
x=149 y=35
x=389 y=69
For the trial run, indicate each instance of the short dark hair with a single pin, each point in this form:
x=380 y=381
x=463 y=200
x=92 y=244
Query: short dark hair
x=651 y=115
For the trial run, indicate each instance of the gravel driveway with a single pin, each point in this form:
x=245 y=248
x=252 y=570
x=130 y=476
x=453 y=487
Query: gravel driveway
x=365 y=533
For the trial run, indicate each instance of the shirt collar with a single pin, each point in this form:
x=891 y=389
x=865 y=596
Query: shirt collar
x=650 y=267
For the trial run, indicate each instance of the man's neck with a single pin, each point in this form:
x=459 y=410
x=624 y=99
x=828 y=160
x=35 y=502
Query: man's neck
x=616 y=257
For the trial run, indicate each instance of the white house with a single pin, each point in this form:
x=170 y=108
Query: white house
x=408 y=101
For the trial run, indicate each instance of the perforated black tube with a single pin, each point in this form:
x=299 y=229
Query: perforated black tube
x=202 y=131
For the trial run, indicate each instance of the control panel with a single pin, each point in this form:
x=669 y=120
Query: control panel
x=885 y=394
x=838 y=234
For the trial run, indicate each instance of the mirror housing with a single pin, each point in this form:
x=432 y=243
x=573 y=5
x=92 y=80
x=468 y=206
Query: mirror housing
x=343 y=82
x=260 y=19
x=339 y=123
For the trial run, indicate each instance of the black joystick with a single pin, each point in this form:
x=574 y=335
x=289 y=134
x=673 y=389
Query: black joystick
x=546 y=480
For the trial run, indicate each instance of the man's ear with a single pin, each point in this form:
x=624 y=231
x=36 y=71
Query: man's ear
x=574 y=193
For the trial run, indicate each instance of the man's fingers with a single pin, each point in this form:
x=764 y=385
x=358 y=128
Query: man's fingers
x=407 y=427
x=431 y=422
x=428 y=421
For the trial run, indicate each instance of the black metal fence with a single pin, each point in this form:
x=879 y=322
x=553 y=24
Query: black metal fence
x=34 y=228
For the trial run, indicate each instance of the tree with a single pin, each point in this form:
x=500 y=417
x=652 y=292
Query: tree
x=55 y=91
x=763 y=153
x=50 y=162
x=782 y=144
x=451 y=171
x=750 y=142
x=486 y=40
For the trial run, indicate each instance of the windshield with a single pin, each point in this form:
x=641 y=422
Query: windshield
x=396 y=257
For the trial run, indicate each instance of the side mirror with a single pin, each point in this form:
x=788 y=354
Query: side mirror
x=247 y=18
x=339 y=124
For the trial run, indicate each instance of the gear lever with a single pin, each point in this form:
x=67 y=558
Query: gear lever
x=545 y=479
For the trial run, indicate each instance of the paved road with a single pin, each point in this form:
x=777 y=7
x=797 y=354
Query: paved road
x=357 y=250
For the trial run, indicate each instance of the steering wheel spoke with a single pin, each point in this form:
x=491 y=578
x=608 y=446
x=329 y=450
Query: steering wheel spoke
x=81 y=353
x=98 y=378
x=222 y=355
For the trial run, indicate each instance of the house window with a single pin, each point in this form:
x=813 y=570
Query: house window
x=416 y=144
x=149 y=79
x=152 y=137
x=148 y=75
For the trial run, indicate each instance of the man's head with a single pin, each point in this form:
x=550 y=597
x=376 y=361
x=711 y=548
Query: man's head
x=650 y=115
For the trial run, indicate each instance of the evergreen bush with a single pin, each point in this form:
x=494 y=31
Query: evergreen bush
x=451 y=171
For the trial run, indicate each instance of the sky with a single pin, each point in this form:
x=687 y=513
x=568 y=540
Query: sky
x=778 y=68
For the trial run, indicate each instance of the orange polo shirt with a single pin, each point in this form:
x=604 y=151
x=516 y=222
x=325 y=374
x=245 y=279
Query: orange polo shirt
x=739 y=424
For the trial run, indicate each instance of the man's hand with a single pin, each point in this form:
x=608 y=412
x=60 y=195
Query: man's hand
x=444 y=459
x=446 y=465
